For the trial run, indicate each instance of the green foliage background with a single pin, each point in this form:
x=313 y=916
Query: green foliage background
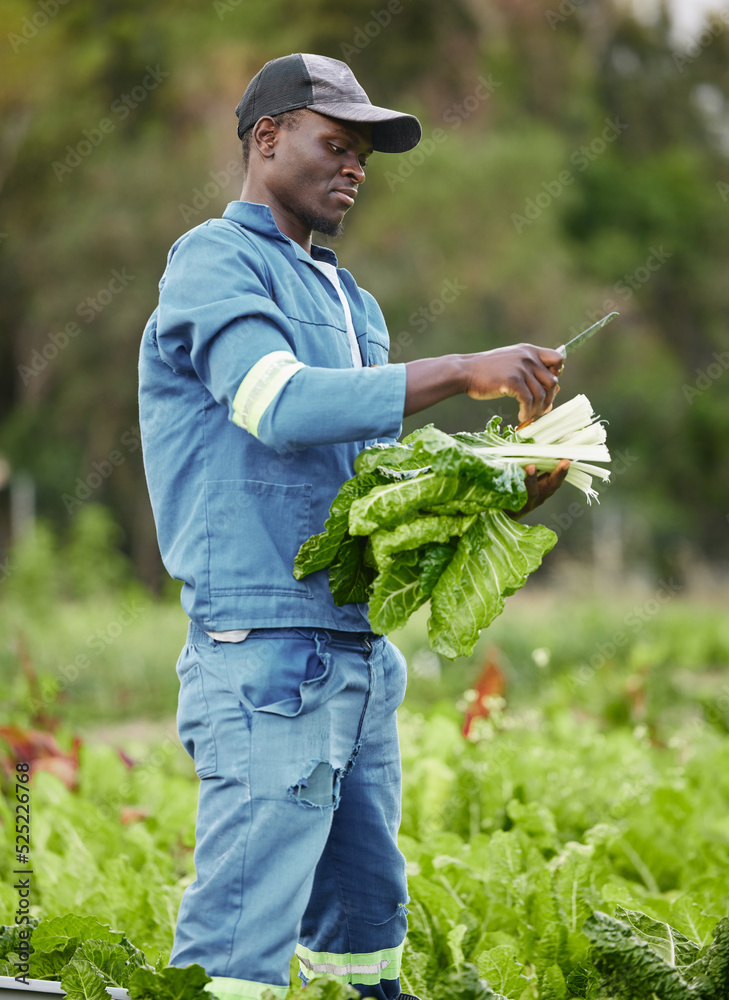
x=613 y=132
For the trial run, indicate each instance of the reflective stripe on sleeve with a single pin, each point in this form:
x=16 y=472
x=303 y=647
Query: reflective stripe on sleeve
x=261 y=386
x=242 y=989
x=366 y=969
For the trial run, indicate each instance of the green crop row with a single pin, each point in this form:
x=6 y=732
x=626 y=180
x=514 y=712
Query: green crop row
x=515 y=839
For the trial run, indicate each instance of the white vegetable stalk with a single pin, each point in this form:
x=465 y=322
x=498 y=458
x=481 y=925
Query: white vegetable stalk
x=568 y=431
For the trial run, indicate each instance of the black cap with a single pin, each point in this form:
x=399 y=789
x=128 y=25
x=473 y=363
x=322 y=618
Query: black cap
x=327 y=86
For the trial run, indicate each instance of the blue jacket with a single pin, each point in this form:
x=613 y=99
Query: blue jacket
x=251 y=415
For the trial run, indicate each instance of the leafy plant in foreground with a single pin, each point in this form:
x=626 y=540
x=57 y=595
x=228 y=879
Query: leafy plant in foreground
x=86 y=956
x=640 y=958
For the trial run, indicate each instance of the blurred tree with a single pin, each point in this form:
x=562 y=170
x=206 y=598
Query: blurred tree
x=571 y=163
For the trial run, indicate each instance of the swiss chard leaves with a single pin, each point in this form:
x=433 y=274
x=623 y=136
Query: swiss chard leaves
x=431 y=510
x=640 y=958
x=493 y=560
x=169 y=984
x=55 y=942
x=320 y=550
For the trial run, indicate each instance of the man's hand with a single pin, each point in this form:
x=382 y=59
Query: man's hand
x=539 y=488
x=526 y=372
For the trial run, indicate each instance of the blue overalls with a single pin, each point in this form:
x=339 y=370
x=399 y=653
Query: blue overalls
x=251 y=416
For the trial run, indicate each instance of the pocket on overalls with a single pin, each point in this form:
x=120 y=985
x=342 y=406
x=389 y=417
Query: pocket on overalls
x=279 y=674
x=193 y=720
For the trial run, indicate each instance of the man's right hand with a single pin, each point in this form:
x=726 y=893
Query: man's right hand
x=528 y=373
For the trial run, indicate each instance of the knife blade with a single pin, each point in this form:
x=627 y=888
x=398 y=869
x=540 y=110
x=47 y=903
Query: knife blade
x=580 y=339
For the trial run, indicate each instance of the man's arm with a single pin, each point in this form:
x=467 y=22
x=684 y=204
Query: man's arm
x=523 y=371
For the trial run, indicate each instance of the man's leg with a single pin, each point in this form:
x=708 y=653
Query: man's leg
x=356 y=921
x=271 y=723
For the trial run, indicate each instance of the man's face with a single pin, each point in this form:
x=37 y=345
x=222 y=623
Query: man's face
x=317 y=169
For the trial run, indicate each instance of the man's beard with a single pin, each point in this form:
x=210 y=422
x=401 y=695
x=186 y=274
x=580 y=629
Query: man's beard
x=320 y=224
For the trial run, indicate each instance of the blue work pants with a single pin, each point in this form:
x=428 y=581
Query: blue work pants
x=293 y=736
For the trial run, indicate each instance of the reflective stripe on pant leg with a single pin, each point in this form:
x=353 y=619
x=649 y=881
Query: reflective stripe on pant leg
x=368 y=968
x=241 y=989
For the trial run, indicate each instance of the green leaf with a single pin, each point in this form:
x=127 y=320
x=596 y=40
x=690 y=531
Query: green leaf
x=502 y=969
x=11 y=936
x=688 y=915
x=387 y=542
x=387 y=458
x=112 y=961
x=82 y=981
x=396 y=593
x=629 y=966
x=55 y=933
x=55 y=942
x=391 y=504
x=711 y=971
x=320 y=550
x=673 y=947
x=552 y=984
x=433 y=560
x=414 y=975
x=501 y=482
x=537 y=822
x=552 y=949
x=464 y=984
x=349 y=577
x=169 y=984
x=493 y=433
x=492 y=560
x=455 y=938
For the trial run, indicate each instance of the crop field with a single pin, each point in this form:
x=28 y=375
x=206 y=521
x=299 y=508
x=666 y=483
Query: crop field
x=566 y=800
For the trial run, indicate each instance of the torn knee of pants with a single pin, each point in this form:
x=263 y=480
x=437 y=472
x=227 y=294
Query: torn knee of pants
x=319 y=789
x=401 y=911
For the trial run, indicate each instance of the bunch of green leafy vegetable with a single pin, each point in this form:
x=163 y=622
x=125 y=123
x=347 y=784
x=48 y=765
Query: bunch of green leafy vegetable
x=86 y=957
x=427 y=520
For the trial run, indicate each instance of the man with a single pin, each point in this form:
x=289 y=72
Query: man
x=263 y=373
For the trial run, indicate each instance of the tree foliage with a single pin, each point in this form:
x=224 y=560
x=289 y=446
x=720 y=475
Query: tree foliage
x=571 y=163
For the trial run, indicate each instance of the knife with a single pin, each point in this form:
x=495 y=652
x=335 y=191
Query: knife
x=577 y=341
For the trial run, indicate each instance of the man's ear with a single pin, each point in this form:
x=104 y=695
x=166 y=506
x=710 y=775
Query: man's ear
x=264 y=135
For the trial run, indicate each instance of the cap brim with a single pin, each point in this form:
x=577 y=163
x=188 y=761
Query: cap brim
x=392 y=131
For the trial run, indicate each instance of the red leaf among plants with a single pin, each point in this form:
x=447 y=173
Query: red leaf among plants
x=41 y=751
x=491 y=683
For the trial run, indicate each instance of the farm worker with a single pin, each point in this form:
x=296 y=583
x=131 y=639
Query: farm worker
x=263 y=373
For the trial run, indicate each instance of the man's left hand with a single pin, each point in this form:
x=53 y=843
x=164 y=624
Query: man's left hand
x=539 y=488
